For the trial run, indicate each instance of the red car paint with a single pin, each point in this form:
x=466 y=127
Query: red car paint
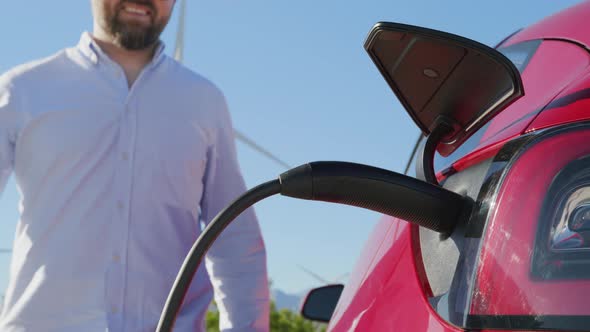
x=388 y=289
x=391 y=294
x=543 y=79
x=567 y=25
x=570 y=106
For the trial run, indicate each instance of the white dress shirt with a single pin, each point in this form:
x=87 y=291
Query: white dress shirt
x=114 y=182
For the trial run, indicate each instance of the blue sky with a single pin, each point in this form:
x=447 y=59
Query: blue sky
x=299 y=83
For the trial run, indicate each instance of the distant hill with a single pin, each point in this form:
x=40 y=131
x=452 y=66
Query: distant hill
x=285 y=300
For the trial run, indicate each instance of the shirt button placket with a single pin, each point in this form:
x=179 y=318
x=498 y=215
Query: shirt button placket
x=127 y=155
x=119 y=269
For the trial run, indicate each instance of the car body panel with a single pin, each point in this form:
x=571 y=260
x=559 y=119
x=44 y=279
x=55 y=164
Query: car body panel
x=379 y=300
x=570 y=106
x=543 y=79
x=566 y=25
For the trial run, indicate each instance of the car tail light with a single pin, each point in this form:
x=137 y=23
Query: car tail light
x=533 y=267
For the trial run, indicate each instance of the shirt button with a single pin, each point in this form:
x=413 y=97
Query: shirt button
x=114 y=310
x=116 y=258
x=120 y=205
x=125 y=156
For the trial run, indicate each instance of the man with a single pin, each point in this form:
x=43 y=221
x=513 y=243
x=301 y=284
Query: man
x=119 y=152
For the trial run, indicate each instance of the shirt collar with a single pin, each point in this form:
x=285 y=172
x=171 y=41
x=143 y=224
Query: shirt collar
x=90 y=49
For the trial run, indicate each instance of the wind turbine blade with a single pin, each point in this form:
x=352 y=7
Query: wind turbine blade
x=179 y=56
x=179 y=48
x=314 y=275
x=243 y=138
x=344 y=276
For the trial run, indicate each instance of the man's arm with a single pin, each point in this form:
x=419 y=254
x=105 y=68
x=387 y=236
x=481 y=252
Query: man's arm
x=237 y=260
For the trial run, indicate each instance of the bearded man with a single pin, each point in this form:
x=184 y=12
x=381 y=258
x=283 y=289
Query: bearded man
x=121 y=155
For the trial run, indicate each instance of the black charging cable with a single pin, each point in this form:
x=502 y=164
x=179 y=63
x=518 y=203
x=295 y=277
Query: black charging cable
x=372 y=188
x=205 y=240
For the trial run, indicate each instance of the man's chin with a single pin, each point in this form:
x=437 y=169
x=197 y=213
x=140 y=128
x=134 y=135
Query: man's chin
x=135 y=40
x=132 y=34
x=136 y=32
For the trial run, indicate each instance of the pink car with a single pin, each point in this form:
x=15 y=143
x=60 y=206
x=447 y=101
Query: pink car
x=512 y=129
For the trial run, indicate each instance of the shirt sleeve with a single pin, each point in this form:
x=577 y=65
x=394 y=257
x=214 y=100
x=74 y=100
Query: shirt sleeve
x=8 y=124
x=236 y=262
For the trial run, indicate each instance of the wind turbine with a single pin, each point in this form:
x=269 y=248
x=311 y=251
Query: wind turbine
x=321 y=279
x=179 y=56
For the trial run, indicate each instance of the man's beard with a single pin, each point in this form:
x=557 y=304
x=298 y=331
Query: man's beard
x=131 y=36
